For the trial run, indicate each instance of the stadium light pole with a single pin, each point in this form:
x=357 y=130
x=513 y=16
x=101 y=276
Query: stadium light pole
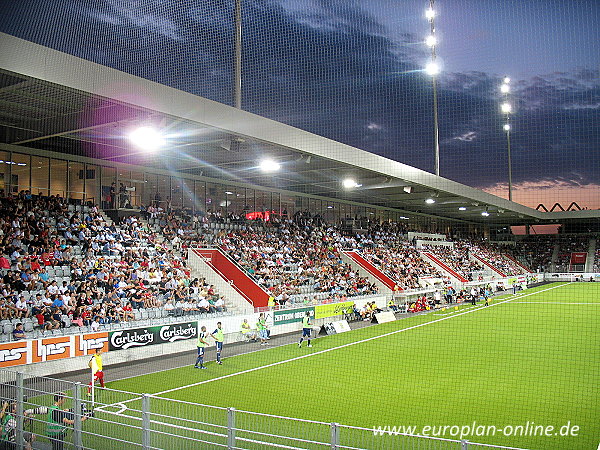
x=433 y=69
x=506 y=108
x=237 y=64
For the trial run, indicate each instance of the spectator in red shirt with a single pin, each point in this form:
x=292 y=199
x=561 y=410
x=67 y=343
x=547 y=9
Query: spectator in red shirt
x=4 y=262
x=35 y=266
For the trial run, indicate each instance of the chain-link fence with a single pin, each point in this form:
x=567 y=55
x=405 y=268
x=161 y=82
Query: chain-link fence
x=38 y=410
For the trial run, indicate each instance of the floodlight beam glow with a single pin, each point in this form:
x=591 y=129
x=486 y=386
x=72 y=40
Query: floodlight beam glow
x=432 y=68
x=147 y=138
x=349 y=183
x=268 y=165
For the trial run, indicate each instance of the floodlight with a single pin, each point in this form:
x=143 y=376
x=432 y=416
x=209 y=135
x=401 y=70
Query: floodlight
x=432 y=68
x=462 y=208
x=506 y=80
x=349 y=183
x=505 y=88
x=431 y=41
x=485 y=214
x=268 y=165
x=506 y=127
x=430 y=14
x=147 y=138
x=430 y=201
x=506 y=107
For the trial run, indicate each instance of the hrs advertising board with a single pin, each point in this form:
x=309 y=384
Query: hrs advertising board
x=51 y=348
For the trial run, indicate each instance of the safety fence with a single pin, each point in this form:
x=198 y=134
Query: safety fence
x=42 y=409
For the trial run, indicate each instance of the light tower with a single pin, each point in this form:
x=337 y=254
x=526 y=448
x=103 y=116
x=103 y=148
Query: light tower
x=433 y=70
x=506 y=108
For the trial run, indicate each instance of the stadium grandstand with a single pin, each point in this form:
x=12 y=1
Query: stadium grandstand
x=136 y=217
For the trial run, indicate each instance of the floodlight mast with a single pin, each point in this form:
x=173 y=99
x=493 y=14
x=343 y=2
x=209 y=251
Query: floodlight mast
x=237 y=64
x=506 y=109
x=433 y=70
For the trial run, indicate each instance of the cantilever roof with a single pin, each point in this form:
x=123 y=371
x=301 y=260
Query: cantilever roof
x=54 y=101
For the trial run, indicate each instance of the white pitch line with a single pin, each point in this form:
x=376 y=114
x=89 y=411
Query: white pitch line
x=556 y=303
x=297 y=358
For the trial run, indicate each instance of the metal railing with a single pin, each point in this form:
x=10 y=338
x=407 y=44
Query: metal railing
x=132 y=420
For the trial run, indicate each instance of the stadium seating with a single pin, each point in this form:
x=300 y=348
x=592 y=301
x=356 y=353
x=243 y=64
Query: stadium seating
x=568 y=245
x=68 y=263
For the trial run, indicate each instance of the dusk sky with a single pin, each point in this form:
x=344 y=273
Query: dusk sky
x=350 y=71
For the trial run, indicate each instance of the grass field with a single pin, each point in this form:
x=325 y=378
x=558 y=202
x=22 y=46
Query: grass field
x=534 y=357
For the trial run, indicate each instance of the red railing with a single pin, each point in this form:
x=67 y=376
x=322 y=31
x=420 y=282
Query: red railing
x=236 y=277
x=362 y=262
x=494 y=268
x=451 y=271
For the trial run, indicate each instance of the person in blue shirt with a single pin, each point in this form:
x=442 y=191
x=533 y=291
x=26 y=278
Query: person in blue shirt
x=306 y=329
x=218 y=336
x=43 y=275
x=58 y=302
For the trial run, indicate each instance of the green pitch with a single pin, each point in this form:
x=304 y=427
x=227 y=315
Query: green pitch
x=534 y=357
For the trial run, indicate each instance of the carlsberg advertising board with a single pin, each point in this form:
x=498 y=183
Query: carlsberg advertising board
x=142 y=337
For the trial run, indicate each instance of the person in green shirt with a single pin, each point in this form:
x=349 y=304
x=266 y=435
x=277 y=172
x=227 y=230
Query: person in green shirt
x=261 y=327
x=306 y=329
x=58 y=421
x=201 y=345
x=218 y=336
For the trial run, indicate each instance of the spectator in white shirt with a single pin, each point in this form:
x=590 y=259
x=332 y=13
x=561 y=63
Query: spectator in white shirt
x=21 y=306
x=220 y=304
x=53 y=288
x=203 y=305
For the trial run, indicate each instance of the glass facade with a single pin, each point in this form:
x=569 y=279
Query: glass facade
x=116 y=186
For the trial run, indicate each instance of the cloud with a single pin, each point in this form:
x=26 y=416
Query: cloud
x=549 y=192
x=137 y=14
x=331 y=68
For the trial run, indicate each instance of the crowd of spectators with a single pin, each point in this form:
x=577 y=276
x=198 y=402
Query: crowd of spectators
x=297 y=256
x=535 y=251
x=568 y=245
x=496 y=256
x=63 y=266
x=457 y=258
x=402 y=263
